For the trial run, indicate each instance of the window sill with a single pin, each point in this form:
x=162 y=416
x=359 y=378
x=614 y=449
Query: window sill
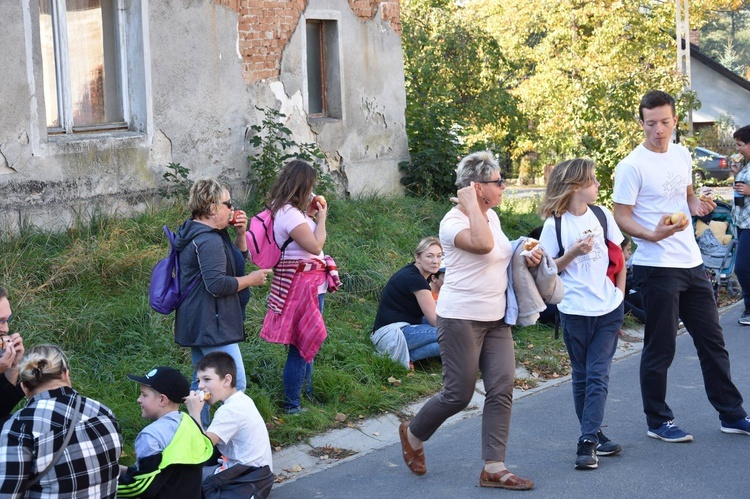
x=65 y=138
x=323 y=119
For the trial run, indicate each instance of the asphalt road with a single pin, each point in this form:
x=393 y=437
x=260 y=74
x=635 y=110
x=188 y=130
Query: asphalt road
x=543 y=440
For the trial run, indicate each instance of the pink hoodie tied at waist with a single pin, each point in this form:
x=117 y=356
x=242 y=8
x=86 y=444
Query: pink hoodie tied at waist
x=293 y=316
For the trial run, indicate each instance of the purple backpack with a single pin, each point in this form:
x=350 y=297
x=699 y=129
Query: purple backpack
x=164 y=289
x=264 y=252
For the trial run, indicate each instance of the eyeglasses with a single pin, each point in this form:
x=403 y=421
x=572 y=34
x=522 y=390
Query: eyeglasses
x=6 y=321
x=500 y=182
x=228 y=204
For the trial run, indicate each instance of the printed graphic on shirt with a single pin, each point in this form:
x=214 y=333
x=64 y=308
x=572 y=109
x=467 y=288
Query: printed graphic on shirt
x=673 y=189
x=585 y=261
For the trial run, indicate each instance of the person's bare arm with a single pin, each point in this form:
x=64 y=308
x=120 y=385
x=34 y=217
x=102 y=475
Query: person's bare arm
x=213 y=437
x=478 y=237
x=427 y=304
x=621 y=276
x=310 y=241
x=624 y=217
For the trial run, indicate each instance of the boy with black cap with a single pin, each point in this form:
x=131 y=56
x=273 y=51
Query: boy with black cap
x=170 y=451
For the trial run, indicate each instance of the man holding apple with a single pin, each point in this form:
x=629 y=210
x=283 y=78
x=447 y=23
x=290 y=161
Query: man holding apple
x=653 y=193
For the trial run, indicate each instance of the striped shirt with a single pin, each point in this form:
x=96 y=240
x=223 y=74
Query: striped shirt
x=87 y=468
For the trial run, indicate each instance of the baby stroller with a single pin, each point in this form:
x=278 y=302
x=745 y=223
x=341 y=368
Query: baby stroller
x=717 y=240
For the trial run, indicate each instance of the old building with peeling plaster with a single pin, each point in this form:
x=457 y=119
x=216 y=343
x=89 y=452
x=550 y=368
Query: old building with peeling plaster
x=98 y=96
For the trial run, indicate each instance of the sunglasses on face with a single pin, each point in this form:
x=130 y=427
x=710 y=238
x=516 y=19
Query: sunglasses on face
x=228 y=204
x=500 y=182
x=6 y=321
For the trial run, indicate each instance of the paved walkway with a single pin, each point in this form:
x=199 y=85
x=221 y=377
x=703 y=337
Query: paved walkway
x=543 y=443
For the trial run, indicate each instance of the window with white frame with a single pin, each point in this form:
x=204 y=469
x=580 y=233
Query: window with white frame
x=323 y=69
x=85 y=63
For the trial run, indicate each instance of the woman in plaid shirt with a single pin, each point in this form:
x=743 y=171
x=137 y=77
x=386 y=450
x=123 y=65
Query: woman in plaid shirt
x=88 y=467
x=741 y=215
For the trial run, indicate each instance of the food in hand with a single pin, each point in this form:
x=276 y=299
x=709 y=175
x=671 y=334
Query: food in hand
x=319 y=199
x=530 y=244
x=204 y=396
x=4 y=342
x=707 y=194
x=678 y=218
x=736 y=158
x=233 y=218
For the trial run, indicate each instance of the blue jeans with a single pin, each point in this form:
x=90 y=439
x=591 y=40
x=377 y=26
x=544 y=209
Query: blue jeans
x=233 y=350
x=298 y=374
x=742 y=264
x=422 y=340
x=591 y=344
x=669 y=293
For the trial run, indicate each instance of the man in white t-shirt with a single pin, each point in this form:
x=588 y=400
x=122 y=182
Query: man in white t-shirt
x=237 y=429
x=651 y=184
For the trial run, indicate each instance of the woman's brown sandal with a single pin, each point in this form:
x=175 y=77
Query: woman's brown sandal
x=504 y=480
x=414 y=459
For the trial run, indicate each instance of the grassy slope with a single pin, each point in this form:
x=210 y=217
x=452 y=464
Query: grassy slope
x=87 y=291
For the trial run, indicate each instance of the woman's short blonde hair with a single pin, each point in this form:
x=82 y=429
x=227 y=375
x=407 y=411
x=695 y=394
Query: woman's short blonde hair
x=41 y=364
x=476 y=167
x=204 y=193
x=425 y=244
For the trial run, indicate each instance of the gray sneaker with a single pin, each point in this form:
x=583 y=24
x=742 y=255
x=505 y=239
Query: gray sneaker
x=745 y=318
x=606 y=447
x=586 y=456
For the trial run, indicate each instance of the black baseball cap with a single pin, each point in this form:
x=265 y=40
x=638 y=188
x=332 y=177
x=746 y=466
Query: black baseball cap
x=166 y=380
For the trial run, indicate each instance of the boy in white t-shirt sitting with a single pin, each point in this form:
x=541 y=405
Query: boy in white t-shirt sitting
x=237 y=429
x=171 y=451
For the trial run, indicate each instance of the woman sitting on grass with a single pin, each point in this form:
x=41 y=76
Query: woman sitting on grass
x=405 y=323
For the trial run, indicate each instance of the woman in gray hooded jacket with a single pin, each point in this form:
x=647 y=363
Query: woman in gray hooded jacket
x=210 y=317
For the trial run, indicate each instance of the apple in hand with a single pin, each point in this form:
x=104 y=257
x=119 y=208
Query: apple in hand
x=319 y=200
x=678 y=218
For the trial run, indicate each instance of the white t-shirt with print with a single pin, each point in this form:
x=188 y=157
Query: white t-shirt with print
x=243 y=437
x=655 y=184
x=588 y=290
x=475 y=285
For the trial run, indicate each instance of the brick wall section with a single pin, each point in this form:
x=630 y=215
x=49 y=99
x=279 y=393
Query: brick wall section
x=265 y=27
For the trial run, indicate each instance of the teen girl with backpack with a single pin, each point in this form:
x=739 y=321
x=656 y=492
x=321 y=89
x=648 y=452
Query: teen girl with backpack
x=591 y=312
x=300 y=279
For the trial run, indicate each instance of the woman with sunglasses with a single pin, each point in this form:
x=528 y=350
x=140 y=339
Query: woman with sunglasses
x=472 y=333
x=210 y=317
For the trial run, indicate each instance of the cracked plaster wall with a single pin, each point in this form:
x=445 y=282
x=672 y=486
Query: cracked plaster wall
x=202 y=108
x=366 y=146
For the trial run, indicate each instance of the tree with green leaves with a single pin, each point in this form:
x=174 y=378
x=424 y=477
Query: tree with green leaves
x=583 y=67
x=457 y=81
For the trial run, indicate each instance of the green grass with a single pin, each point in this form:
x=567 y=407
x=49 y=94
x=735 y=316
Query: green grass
x=87 y=290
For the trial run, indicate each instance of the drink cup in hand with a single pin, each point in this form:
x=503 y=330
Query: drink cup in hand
x=739 y=198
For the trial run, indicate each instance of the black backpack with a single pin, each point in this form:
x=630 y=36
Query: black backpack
x=558 y=224
x=239 y=482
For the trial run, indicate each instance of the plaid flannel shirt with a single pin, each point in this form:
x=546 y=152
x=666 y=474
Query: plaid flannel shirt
x=87 y=468
x=741 y=215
